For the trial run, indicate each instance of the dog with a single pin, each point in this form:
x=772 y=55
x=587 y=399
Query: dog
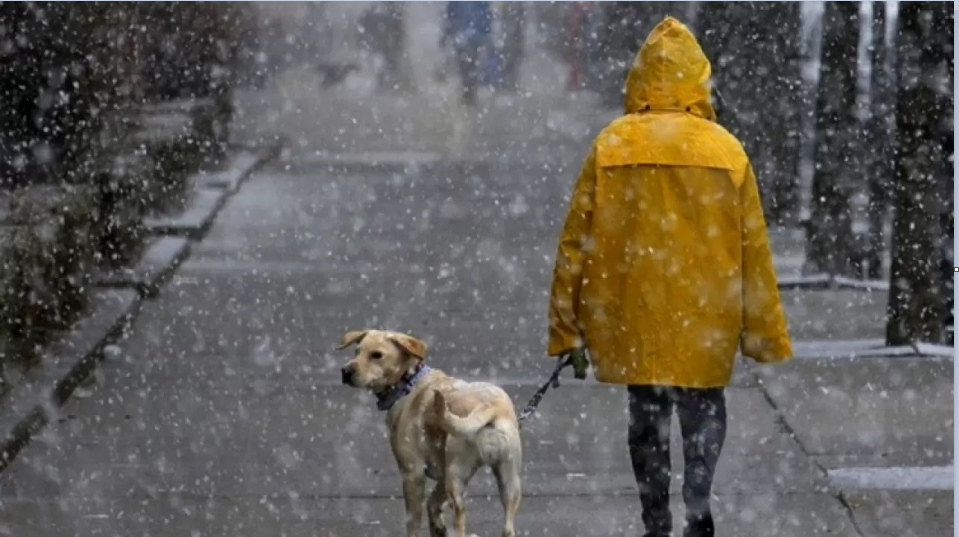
x=440 y=428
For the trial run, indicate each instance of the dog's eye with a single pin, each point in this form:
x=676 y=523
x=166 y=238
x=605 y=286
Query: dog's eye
x=376 y=355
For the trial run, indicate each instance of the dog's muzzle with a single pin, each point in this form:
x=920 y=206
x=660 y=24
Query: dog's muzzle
x=347 y=373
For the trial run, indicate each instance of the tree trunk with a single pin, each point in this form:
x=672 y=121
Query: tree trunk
x=880 y=129
x=915 y=307
x=778 y=97
x=831 y=247
x=627 y=25
x=754 y=48
x=729 y=33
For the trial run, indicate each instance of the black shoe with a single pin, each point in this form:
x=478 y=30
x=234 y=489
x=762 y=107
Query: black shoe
x=700 y=527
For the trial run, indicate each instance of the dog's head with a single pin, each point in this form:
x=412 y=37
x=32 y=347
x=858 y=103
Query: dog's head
x=381 y=358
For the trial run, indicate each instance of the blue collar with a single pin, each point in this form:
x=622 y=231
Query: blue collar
x=386 y=399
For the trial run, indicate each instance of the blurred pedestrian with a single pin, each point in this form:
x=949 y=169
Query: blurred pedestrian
x=664 y=271
x=514 y=38
x=384 y=34
x=467 y=28
x=575 y=22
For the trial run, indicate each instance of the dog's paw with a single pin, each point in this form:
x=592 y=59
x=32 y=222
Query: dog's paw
x=437 y=531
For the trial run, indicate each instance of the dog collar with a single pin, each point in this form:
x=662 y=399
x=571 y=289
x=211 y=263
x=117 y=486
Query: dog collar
x=386 y=399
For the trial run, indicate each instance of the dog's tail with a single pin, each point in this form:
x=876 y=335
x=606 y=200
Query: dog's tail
x=468 y=426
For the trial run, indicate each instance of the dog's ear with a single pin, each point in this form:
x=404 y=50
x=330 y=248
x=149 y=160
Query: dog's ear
x=351 y=337
x=410 y=344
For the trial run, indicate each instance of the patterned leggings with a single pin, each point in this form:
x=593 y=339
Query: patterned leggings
x=702 y=419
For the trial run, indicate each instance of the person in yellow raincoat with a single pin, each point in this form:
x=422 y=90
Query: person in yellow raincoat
x=664 y=271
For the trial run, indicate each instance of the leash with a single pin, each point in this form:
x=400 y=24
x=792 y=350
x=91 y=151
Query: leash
x=553 y=382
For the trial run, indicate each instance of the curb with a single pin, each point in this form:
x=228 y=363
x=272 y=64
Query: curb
x=161 y=258
x=211 y=194
x=867 y=348
x=245 y=163
x=115 y=304
x=35 y=401
x=825 y=282
x=229 y=180
x=195 y=220
x=400 y=162
x=921 y=351
x=443 y=166
x=412 y=167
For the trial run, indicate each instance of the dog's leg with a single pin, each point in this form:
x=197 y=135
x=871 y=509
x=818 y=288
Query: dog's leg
x=434 y=510
x=457 y=478
x=507 y=474
x=413 y=492
x=454 y=492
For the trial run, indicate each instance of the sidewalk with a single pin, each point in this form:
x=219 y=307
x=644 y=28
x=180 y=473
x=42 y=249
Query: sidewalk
x=855 y=447
x=223 y=414
x=355 y=121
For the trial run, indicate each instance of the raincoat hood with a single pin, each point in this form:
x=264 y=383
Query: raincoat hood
x=670 y=72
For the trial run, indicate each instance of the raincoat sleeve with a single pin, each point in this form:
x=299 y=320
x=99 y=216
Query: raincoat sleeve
x=764 y=336
x=564 y=331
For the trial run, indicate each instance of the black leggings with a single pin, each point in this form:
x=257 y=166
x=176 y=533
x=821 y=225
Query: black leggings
x=702 y=419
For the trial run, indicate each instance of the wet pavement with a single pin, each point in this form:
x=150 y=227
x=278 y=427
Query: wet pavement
x=222 y=414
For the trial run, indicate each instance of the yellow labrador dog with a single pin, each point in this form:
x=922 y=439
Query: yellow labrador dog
x=440 y=427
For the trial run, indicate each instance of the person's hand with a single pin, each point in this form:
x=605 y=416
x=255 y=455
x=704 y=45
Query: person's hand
x=580 y=362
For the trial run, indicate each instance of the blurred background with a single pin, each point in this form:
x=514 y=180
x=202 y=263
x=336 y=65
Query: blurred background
x=410 y=164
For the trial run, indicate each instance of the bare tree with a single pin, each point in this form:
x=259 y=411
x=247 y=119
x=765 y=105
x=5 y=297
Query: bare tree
x=880 y=130
x=831 y=246
x=627 y=24
x=778 y=98
x=916 y=303
x=755 y=51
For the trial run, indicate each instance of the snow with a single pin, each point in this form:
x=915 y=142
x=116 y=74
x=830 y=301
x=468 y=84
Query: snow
x=397 y=204
x=894 y=478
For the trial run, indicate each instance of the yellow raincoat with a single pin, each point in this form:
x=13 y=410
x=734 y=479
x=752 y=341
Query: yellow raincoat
x=664 y=269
